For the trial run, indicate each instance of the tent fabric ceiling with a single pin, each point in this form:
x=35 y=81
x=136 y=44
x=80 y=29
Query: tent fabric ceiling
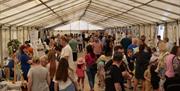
x=106 y=13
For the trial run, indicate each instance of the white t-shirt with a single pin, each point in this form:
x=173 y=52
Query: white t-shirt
x=67 y=52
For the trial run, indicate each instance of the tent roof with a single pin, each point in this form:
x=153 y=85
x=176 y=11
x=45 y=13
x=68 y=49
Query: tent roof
x=105 y=13
x=78 y=25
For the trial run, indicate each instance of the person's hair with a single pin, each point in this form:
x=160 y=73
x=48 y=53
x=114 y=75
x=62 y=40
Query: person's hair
x=149 y=50
x=64 y=38
x=36 y=60
x=118 y=56
x=79 y=66
x=153 y=49
x=166 y=39
x=89 y=50
x=43 y=58
x=52 y=37
x=118 y=47
x=27 y=42
x=58 y=48
x=141 y=48
x=46 y=51
x=62 y=70
x=143 y=38
x=159 y=37
x=71 y=35
x=28 y=45
x=22 y=47
x=174 y=50
x=52 y=61
x=129 y=50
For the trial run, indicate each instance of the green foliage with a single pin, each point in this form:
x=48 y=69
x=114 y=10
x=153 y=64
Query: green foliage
x=13 y=45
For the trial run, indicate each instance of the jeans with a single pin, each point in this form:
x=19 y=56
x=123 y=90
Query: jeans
x=91 y=76
x=69 y=88
x=51 y=87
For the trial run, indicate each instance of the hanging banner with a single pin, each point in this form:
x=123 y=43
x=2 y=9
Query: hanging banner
x=34 y=35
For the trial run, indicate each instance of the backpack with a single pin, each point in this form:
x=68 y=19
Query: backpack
x=108 y=65
x=176 y=66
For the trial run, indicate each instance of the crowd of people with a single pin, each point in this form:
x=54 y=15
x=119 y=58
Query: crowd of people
x=118 y=66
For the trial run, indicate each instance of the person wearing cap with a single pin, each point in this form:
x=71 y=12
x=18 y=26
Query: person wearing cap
x=114 y=78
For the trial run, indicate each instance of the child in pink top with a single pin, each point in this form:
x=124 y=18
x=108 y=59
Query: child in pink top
x=80 y=71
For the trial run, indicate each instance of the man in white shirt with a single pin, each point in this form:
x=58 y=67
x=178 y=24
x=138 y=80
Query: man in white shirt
x=67 y=52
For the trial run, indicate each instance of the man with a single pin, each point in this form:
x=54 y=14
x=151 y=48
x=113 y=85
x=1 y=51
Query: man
x=143 y=40
x=97 y=47
x=125 y=42
x=67 y=52
x=117 y=49
x=74 y=45
x=114 y=79
x=133 y=45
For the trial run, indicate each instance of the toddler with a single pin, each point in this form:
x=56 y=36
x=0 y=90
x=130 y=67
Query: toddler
x=80 y=71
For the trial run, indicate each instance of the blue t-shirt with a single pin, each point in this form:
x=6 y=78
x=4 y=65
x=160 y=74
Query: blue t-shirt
x=25 y=66
x=132 y=47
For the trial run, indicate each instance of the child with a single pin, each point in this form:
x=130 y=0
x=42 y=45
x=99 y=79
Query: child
x=101 y=71
x=80 y=71
x=147 y=77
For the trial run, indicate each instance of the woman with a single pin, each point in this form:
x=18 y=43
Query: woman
x=91 y=66
x=64 y=80
x=52 y=66
x=38 y=77
x=169 y=72
x=25 y=61
x=161 y=63
x=90 y=42
x=142 y=59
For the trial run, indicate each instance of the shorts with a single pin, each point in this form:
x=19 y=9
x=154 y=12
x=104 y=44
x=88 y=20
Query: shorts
x=155 y=84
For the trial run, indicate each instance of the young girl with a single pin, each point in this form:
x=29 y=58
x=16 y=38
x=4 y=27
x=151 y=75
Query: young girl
x=65 y=80
x=80 y=71
x=101 y=71
x=147 y=77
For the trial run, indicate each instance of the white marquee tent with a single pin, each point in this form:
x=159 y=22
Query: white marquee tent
x=106 y=13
